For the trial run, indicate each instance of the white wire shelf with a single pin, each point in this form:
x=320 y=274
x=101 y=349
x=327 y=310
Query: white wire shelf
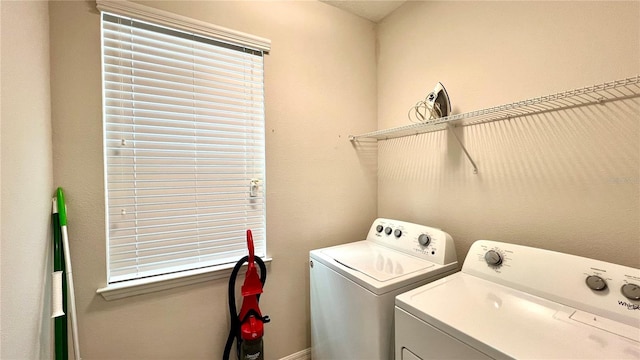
x=596 y=94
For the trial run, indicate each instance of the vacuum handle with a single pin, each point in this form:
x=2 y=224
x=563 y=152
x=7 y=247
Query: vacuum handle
x=250 y=246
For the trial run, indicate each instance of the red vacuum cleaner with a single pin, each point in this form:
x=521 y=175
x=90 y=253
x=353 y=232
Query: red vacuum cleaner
x=247 y=327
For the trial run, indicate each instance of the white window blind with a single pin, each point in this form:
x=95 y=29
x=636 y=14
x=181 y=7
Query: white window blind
x=183 y=143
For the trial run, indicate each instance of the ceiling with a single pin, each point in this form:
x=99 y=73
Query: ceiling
x=374 y=10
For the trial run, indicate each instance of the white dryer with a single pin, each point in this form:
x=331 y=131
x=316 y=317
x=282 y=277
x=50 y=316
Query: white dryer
x=517 y=302
x=353 y=287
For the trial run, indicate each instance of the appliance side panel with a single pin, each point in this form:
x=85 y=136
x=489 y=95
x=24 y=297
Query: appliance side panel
x=339 y=309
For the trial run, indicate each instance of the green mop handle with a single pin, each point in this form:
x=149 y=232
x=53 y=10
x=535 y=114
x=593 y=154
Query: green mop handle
x=62 y=211
x=59 y=291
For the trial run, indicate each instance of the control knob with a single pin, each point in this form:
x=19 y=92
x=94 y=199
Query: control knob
x=379 y=228
x=631 y=291
x=493 y=258
x=397 y=233
x=388 y=230
x=424 y=239
x=596 y=283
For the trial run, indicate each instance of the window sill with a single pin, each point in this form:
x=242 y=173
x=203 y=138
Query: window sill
x=165 y=282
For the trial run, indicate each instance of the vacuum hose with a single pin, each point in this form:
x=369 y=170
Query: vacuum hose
x=234 y=332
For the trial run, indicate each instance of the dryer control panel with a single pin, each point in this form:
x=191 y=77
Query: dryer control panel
x=422 y=241
x=599 y=288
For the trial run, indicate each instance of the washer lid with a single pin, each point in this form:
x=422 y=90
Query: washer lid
x=375 y=261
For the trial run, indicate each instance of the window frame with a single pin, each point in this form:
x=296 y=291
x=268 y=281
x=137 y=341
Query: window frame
x=139 y=12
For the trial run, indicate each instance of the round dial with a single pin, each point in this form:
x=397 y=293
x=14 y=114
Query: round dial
x=596 y=283
x=397 y=233
x=388 y=230
x=631 y=291
x=493 y=258
x=424 y=239
x=379 y=228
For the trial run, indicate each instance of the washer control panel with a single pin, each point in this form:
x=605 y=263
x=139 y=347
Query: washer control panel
x=422 y=241
x=590 y=285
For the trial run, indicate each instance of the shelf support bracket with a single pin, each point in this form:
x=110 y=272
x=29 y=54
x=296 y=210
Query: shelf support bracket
x=473 y=163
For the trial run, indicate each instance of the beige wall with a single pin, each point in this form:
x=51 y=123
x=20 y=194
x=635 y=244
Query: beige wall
x=567 y=181
x=320 y=87
x=27 y=182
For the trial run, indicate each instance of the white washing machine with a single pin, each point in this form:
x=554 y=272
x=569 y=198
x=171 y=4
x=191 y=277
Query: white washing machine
x=517 y=302
x=353 y=286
